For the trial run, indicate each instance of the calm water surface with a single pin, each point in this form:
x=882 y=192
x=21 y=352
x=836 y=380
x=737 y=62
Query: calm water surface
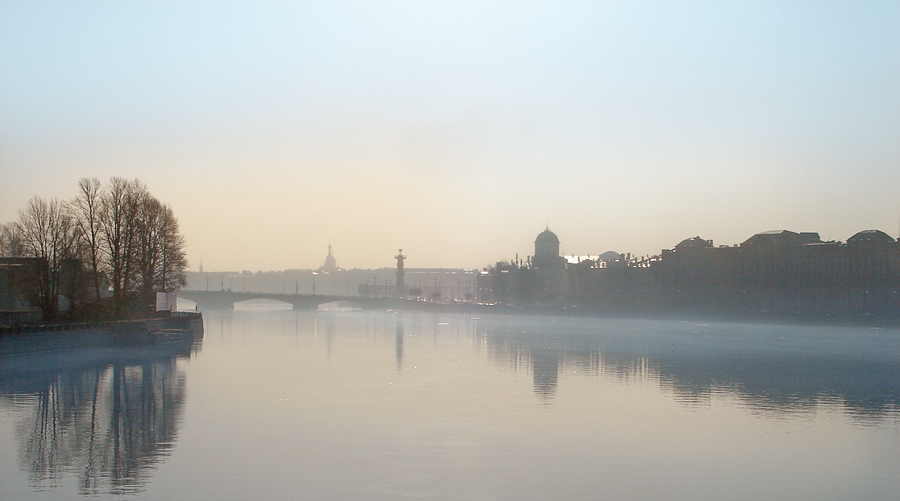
x=386 y=405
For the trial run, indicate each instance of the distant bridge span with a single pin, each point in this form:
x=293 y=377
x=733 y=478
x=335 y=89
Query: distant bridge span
x=224 y=300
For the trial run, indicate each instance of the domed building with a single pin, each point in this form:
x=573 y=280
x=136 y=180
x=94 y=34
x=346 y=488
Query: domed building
x=550 y=285
x=546 y=250
x=330 y=265
x=548 y=280
x=870 y=237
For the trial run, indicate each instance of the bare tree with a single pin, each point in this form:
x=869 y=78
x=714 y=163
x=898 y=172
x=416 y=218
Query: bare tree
x=87 y=212
x=48 y=233
x=149 y=228
x=144 y=251
x=120 y=230
x=159 y=255
x=137 y=195
x=119 y=213
x=11 y=240
x=171 y=275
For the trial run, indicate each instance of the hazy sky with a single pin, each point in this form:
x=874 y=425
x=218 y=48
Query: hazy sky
x=456 y=130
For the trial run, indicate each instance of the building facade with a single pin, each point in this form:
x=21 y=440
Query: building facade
x=776 y=274
x=785 y=274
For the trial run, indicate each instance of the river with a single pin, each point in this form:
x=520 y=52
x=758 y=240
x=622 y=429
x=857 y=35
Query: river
x=283 y=404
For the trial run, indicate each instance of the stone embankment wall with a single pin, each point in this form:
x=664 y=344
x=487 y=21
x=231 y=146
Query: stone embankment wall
x=179 y=327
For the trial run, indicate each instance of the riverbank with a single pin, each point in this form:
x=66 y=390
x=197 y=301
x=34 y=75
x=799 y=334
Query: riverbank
x=176 y=327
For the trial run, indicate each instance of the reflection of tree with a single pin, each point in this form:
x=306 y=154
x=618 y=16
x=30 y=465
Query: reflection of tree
x=866 y=383
x=107 y=423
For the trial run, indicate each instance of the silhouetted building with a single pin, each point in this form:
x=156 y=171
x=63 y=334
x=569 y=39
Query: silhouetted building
x=541 y=281
x=330 y=265
x=546 y=250
x=609 y=257
x=772 y=274
x=30 y=291
x=17 y=299
x=785 y=274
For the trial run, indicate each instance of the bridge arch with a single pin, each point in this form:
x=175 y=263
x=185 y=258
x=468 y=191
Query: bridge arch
x=338 y=305
x=219 y=300
x=264 y=304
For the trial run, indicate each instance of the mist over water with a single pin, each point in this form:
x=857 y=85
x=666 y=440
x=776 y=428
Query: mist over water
x=282 y=404
x=339 y=142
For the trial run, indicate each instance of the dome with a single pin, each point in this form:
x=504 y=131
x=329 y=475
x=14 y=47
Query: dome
x=694 y=243
x=546 y=237
x=783 y=237
x=870 y=236
x=546 y=245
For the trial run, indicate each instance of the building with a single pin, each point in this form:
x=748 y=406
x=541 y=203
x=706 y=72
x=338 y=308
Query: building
x=784 y=274
x=330 y=265
x=17 y=299
x=549 y=280
x=774 y=274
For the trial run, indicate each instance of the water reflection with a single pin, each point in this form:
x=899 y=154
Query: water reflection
x=399 y=336
x=780 y=369
x=105 y=415
x=767 y=368
x=545 y=369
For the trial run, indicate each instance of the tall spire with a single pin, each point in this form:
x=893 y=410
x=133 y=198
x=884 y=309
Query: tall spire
x=330 y=265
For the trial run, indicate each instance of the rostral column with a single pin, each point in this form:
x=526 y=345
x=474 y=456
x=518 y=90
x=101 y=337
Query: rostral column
x=400 y=257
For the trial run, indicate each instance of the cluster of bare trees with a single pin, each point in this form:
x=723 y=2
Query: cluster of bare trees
x=113 y=240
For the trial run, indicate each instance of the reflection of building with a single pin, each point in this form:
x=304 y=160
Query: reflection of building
x=545 y=371
x=776 y=273
x=764 y=365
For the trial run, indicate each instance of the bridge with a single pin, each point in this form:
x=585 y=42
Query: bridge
x=224 y=300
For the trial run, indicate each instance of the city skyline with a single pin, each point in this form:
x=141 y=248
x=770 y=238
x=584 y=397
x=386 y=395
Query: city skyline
x=458 y=131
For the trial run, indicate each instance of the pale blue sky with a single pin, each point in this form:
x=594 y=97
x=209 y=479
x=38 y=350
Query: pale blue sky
x=456 y=130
